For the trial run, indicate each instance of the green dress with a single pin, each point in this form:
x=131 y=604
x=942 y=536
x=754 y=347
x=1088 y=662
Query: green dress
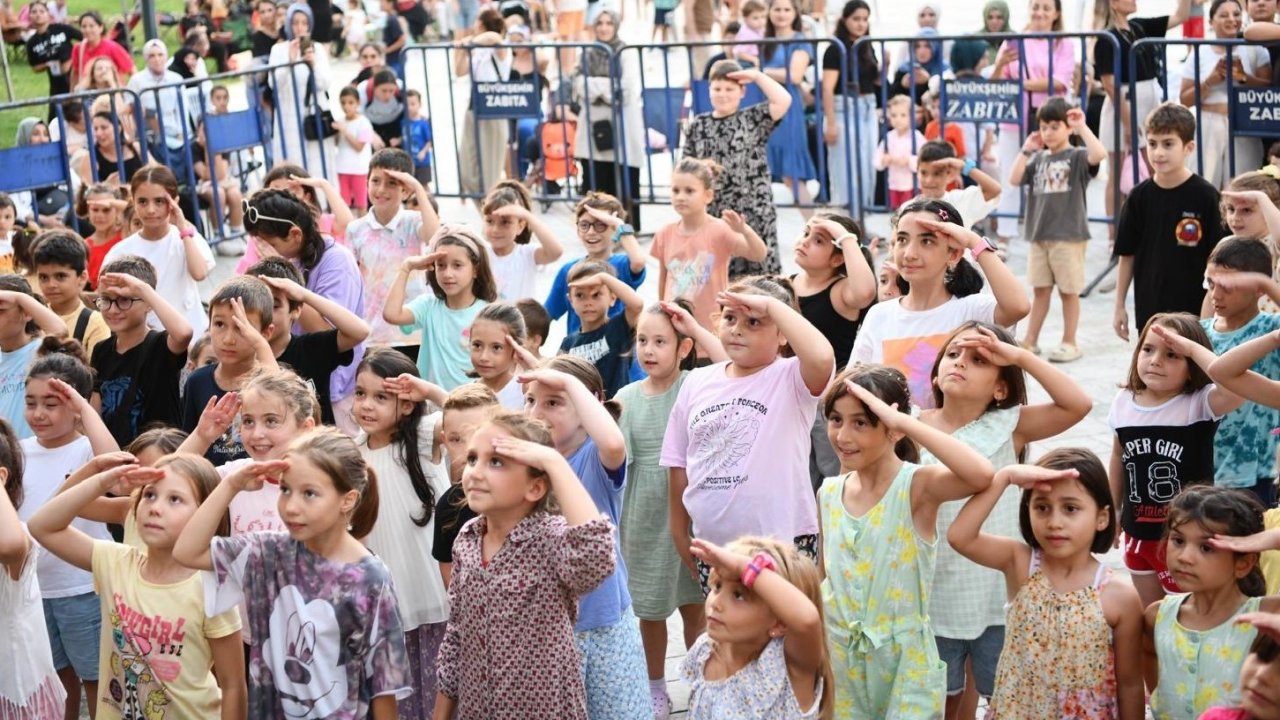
x=875 y=596
x=658 y=581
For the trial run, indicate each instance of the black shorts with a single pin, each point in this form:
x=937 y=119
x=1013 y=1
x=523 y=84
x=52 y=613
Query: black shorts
x=660 y=17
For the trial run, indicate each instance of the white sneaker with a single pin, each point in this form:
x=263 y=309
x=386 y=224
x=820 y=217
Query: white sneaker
x=234 y=247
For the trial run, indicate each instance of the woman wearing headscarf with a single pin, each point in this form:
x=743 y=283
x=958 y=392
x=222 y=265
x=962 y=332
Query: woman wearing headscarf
x=51 y=202
x=1031 y=61
x=300 y=92
x=485 y=58
x=606 y=152
x=973 y=54
x=925 y=62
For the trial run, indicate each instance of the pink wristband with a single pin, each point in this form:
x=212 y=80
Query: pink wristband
x=761 y=562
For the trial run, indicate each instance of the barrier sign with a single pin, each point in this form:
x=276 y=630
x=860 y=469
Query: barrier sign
x=982 y=101
x=1255 y=111
x=507 y=99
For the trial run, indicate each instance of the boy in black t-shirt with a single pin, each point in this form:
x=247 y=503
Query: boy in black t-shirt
x=239 y=325
x=1168 y=227
x=604 y=341
x=137 y=369
x=314 y=355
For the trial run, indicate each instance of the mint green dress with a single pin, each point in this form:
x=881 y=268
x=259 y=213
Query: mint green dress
x=875 y=597
x=1199 y=669
x=658 y=581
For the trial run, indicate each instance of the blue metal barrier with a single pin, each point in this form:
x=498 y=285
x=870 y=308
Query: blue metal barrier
x=1251 y=108
x=970 y=107
x=682 y=91
x=457 y=108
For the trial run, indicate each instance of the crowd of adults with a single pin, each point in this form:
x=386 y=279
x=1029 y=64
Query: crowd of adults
x=831 y=78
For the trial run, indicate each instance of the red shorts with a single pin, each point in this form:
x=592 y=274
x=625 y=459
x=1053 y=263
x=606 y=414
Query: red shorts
x=898 y=198
x=354 y=190
x=1146 y=557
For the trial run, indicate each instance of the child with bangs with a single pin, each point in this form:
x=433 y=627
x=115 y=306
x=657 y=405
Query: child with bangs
x=1164 y=420
x=608 y=239
x=1066 y=514
x=509 y=225
x=464 y=411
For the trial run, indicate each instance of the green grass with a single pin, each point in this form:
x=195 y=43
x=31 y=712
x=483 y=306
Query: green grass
x=28 y=85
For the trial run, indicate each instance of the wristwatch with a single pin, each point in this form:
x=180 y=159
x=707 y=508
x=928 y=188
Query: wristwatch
x=987 y=245
x=969 y=165
x=623 y=229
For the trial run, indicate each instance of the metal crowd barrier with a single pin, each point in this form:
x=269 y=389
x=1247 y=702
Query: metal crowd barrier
x=553 y=103
x=161 y=117
x=982 y=101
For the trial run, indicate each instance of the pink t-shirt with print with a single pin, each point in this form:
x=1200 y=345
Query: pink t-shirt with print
x=697 y=265
x=744 y=443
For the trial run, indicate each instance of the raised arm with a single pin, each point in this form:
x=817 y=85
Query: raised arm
x=47 y=320
x=199 y=258
x=395 y=311
x=858 y=289
x=192 y=548
x=686 y=325
x=1232 y=370
x=549 y=246
x=176 y=326
x=1012 y=303
x=51 y=525
x=351 y=329
x=1221 y=400
x=597 y=421
x=775 y=94
x=342 y=216
x=817 y=359
x=576 y=504
x=632 y=303
x=1180 y=14
x=215 y=420
x=430 y=221
x=997 y=552
x=747 y=243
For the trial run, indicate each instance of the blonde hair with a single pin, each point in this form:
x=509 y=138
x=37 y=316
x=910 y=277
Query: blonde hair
x=801 y=572
x=298 y=396
x=200 y=475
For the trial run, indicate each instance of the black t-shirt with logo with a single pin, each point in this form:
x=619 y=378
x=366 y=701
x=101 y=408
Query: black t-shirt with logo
x=1170 y=233
x=53 y=46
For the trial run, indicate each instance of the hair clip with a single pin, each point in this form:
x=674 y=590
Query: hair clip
x=1270 y=171
x=942 y=215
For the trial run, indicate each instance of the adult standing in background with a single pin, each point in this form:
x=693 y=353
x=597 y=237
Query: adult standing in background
x=1128 y=30
x=167 y=127
x=856 y=97
x=298 y=91
x=49 y=48
x=786 y=62
x=1030 y=60
x=95 y=46
x=978 y=52
x=485 y=58
x=597 y=144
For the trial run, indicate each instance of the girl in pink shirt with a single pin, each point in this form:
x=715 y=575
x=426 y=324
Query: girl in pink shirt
x=693 y=252
x=897 y=152
x=731 y=446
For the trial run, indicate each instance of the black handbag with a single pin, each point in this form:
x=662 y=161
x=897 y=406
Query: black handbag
x=325 y=118
x=602 y=135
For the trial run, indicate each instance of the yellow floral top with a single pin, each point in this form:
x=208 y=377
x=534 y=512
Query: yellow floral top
x=1199 y=669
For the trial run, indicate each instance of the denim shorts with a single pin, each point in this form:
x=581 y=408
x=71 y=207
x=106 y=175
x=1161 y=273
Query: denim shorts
x=73 y=624
x=984 y=650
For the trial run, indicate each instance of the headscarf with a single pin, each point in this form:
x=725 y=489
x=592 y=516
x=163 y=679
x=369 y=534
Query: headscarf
x=26 y=129
x=297 y=7
x=934 y=6
x=967 y=53
x=937 y=65
x=179 y=64
x=598 y=61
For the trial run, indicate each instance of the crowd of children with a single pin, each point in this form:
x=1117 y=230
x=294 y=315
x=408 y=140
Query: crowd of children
x=349 y=485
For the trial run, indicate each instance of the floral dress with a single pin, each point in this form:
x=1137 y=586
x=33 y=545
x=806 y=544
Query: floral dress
x=1199 y=669
x=879 y=570
x=1064 y=631
x=739 y=144
x=762 y=689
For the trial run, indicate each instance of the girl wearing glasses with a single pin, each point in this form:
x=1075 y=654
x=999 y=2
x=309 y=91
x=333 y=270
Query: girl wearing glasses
x=607 y=239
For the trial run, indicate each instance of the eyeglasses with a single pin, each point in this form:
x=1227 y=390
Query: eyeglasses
x=104 y=303
x=252 y=215
x=589 y=225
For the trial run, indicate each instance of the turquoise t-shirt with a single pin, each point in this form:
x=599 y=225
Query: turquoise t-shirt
x=445 y=355
x=13 y=386
x=1244 y=450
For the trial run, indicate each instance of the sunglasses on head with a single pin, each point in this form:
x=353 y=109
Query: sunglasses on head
x=252 y=215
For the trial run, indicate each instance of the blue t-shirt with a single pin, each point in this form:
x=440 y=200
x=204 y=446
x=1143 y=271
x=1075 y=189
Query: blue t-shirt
x=1244 y=450
x=13 y=386
x=557 y=303
x=608 y=347
x=419 y=136
x=445 y=355
x=603 y=606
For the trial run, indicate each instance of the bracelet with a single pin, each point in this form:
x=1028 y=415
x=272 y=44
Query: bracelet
x=187 y=232
x=761 y=562
x=969 y=166
x=1027 y=153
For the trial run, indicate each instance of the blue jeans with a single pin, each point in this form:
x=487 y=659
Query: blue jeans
x=73 y=624
x=984 y=650
x=841 y=155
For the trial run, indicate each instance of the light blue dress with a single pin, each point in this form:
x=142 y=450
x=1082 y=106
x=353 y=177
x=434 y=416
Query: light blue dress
x=788 y=148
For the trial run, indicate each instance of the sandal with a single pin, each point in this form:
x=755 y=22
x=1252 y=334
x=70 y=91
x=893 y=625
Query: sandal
x=1065 y=354
x=1033 y=349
